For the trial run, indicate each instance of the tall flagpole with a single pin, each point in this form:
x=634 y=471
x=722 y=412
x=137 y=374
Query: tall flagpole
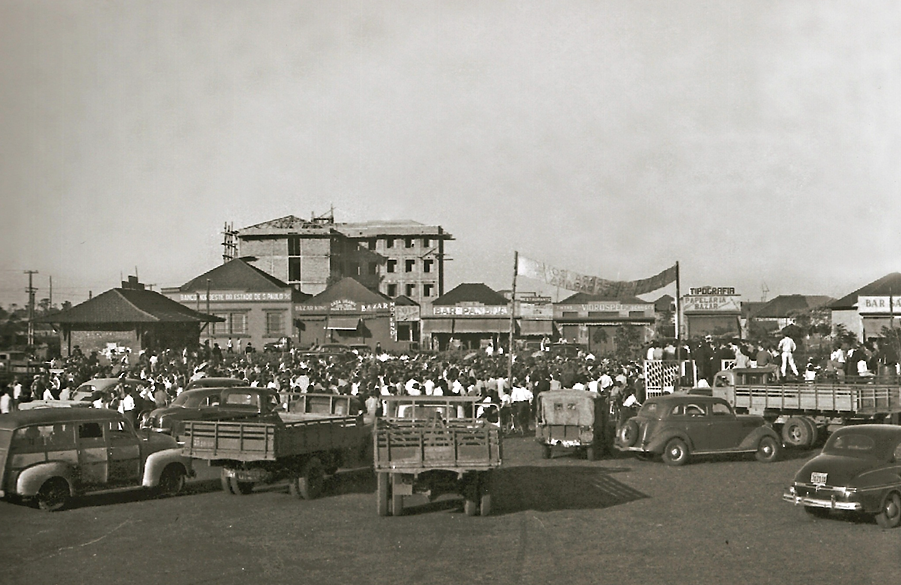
x=679 y=323
x=512 y=323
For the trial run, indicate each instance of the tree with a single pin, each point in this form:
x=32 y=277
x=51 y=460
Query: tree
x=627 y=342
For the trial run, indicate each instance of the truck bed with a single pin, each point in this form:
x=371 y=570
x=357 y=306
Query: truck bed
x=268 y=441
x=863 y=399
x=419 y=445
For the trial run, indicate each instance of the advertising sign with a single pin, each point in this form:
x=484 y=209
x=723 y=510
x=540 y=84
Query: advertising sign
x=711 y=303
x=235 y=296
x=879 y=305
x=477 y=311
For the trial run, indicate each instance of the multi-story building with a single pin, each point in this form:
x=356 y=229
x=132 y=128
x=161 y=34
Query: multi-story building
x=394 y=258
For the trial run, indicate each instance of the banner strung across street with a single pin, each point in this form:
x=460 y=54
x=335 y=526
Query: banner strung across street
x=592 y=284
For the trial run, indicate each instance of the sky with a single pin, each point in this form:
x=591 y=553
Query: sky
x=755 y=142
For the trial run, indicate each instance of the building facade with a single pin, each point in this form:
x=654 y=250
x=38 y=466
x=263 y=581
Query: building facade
x=470 y=316
x=591 y=320
x=712 y=311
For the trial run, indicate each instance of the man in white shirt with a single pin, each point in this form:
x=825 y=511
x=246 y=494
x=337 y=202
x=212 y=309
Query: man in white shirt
x=787 y=347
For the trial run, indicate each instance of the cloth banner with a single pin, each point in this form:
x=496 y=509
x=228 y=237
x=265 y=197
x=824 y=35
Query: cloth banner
x=592 y=284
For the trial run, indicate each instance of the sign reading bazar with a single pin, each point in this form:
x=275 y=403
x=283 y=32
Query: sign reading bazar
x=708 y=303
x=345 y=306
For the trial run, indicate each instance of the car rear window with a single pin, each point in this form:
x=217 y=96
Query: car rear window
x=851 y=444
x=649 y=410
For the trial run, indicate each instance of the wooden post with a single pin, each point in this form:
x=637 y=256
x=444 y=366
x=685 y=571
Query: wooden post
x=512 y=323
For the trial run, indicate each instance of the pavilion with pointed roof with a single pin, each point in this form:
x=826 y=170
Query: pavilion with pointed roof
x=129 y=317
x=469 y=316
x=867 y=310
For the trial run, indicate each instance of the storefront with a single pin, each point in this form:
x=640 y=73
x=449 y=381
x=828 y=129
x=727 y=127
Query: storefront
x=591 y=321
x=349 y=313
x=712 y=311
x=471 y=316
x=534 y=317
x=878 y=313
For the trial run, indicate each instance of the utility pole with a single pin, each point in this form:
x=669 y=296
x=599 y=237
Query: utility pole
x=31 y=290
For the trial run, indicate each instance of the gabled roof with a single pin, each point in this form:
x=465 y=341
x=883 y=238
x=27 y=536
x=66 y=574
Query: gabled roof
x=784 y=305
x=405 y=301
x=235 y=274
x=122 y=305
x=664 y=303
x=476 y=292
x=346 y=288
x=890 y=284
x=582 y=298
x=289 y=224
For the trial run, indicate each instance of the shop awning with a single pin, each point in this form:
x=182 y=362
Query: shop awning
x=437 y=325
x=343 y=323
x=531 y=327
x=481 y=325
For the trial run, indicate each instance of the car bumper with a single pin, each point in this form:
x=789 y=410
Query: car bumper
x=830 y=503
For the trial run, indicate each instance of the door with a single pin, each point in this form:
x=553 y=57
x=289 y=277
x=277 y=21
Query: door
x=124 y=451
x=725 y=431
x=92 y=455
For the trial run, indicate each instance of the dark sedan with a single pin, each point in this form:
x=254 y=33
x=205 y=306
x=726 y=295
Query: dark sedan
x=211 y=404
x=678 y=426
x=858 y=470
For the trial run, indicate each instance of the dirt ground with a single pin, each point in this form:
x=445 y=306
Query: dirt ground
x=564 y=520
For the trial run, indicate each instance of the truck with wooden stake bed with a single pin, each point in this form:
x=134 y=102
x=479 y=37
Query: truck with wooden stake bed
x=806 y=411
x=432 y=446
x=316 y=436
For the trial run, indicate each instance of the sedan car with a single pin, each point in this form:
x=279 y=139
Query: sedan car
x=211 y=404
x=859 y=469
x=678 y=426
x=213 y=382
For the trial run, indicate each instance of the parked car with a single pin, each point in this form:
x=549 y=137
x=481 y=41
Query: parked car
x=85 y=394
x=214 y=383
x=859 y=469
x=211 y=404
x=571 y=418
x=679 y=426
x=52 y=454
x=280 y=346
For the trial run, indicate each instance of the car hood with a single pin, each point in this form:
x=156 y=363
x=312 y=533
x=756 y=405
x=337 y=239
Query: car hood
x=841 y=470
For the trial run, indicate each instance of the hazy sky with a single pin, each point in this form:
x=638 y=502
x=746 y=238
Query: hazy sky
x=751 y=141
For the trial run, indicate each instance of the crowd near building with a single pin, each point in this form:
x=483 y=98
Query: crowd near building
x=293 y=282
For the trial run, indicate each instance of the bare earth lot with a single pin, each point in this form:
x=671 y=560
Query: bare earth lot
x=561 y=521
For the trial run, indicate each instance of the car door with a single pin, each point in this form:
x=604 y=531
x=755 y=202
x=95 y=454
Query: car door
x=124 y=453
x=93 y=459
x=725 y=431
x=693 y=416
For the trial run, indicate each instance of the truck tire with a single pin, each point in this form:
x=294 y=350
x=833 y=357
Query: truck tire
x=545 y=451
x=226 y=484
x=814 y=431
x=796 y=432
x=310 y=482
x=471 y=497
x=53 y=495
x=382 y=493
x=591 y=453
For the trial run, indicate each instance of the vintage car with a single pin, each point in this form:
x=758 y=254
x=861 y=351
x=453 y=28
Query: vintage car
x=679 y=426
x=572 y=419
x=859 y=469
x=211 y=404
x=214 y=382
x=85 y=394
x=52 y=454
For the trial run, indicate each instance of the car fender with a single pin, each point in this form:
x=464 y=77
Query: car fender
x=753 y=438
x=658 y=444
x=157 y=462
x=30 y=480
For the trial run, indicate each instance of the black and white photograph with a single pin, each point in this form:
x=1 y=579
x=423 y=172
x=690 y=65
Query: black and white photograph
x=444 y=292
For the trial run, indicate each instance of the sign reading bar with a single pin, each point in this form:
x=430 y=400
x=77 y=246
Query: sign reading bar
x=470 y=311
x=879 y=305
x=712 y=291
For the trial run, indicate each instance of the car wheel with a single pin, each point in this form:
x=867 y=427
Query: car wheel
x=796 y=433
x=676 y=452
x=172 y=480
x=311 y=480
x=890 y=515
x=768 y=450
x=383 y=481
x=53 y=495
x=628 y=434
x=240 y=488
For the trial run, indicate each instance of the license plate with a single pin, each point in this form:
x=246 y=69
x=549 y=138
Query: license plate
x=818 y=478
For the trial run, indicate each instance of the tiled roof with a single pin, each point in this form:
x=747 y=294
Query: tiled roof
x=471 y=292
x=235 y=274
x=784 y=305
x=121 y=305
x=890 y=284
x=346 y=288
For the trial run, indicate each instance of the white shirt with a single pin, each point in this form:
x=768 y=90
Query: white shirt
x=5 y=404
x=787 y=345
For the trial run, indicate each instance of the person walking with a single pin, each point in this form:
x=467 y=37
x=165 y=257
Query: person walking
x=787 y=347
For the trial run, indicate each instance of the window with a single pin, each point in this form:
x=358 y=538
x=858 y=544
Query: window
x=389 y=242
x=220 y=328
x=408 y=242
x=391 y=266
x=275 y=323
x=409 y=265
x=293 y=246
x=370 y=243
x=427 y=265
x=90 y=430
x=427 y=290
x=410 y=290
x=293 y=269
x=426 y=242
x=720 y=409
x=373 y=268
x=392 y=290
x=238 y=323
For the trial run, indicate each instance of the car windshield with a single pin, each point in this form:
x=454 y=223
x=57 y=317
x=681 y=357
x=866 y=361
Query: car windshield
x=853 y=445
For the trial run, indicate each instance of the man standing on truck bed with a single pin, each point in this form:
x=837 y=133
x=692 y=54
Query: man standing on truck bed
x=787 y=347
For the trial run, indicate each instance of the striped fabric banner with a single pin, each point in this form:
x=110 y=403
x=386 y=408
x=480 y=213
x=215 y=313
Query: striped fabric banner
x=592 y=284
